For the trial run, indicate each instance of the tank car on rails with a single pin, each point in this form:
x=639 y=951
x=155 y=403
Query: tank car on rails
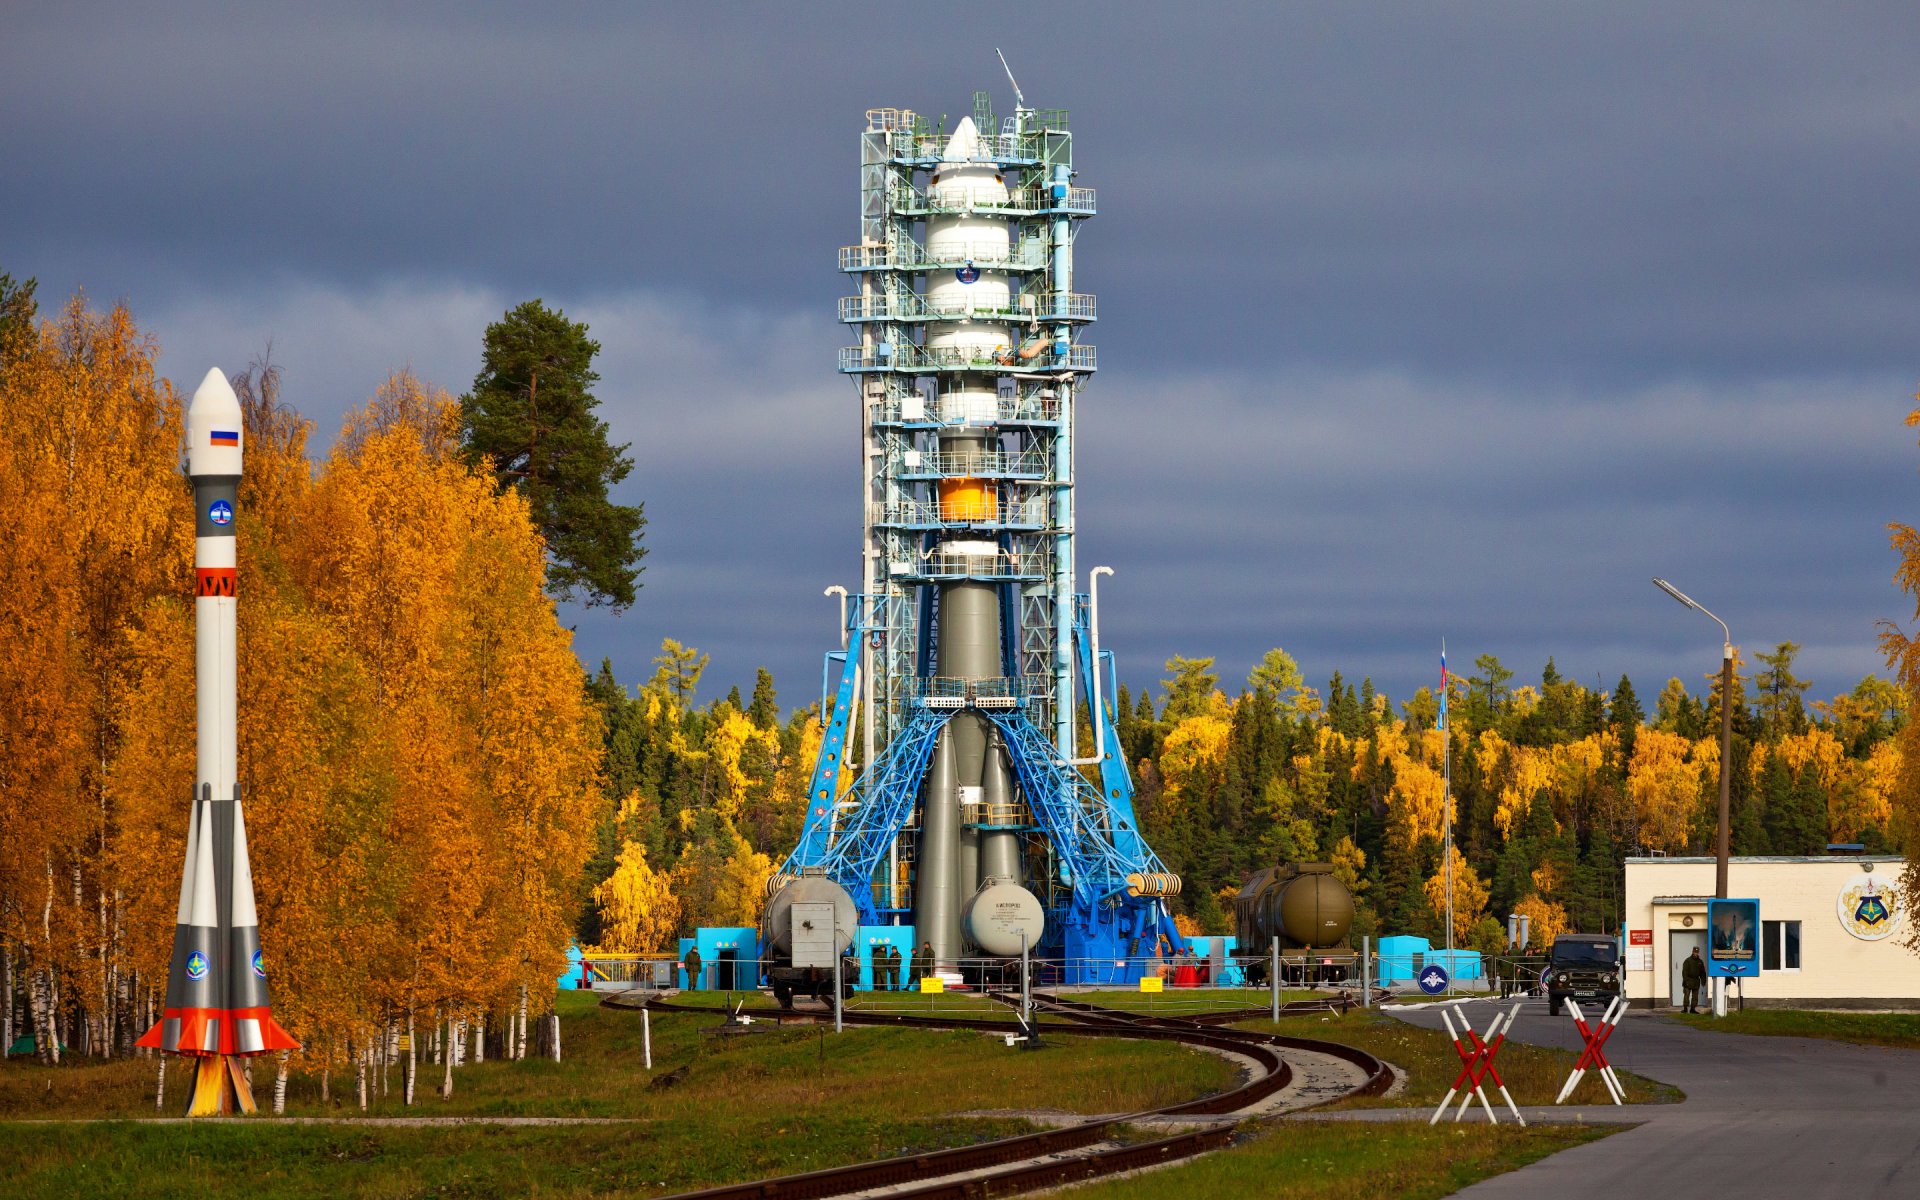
x=809 y=922
x=1304 y=905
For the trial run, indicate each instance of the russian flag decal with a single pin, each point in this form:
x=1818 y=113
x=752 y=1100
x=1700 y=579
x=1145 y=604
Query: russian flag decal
x=225 y=437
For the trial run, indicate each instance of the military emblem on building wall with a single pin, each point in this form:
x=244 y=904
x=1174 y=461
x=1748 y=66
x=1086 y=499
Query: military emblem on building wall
x=1870 y=906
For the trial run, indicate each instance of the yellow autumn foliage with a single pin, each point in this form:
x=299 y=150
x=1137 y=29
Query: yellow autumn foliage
x=1196 y=746
x=1469 y=895
x=1664 y=783
x=639 y=913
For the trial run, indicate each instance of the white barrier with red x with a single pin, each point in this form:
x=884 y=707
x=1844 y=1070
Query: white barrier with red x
x=1476 y=1065
x=1594 y=1056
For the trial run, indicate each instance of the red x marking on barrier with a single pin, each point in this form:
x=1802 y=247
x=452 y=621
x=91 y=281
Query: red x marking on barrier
x=1593 y=1056
x=1476 y=1064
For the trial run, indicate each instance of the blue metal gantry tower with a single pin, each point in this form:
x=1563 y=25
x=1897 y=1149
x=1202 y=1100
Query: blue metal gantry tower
x=1002 y=366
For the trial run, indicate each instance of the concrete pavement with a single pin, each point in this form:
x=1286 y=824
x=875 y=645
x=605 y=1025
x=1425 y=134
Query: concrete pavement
x=1764 y=1117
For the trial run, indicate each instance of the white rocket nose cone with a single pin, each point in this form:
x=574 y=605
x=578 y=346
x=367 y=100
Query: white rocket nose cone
x=214 y=397
x=213 y=428
x=964 y=144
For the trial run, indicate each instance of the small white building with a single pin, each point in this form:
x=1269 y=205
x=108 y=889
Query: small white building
x=1832 y=929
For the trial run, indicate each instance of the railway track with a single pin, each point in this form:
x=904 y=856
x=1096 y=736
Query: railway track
x=1055 y=1157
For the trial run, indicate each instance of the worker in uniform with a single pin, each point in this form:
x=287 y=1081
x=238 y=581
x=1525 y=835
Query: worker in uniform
x=893 y=967
x=1693 y=976
x=922 y=961
x=882 y=968
x=693 y=969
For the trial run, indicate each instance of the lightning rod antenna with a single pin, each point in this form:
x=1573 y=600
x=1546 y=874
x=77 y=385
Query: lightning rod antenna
x=1018 y=100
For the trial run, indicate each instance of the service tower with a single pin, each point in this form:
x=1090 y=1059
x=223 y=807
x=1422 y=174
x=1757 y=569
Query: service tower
x=949 y=793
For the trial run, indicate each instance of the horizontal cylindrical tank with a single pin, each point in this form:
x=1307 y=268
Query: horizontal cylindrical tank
x=999 y=913
x=1303 y=904
x=777 y=927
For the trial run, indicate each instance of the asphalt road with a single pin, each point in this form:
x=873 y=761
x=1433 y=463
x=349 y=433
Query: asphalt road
x=1764 y=1117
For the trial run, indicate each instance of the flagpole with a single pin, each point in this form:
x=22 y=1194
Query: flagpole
x=1446 y=802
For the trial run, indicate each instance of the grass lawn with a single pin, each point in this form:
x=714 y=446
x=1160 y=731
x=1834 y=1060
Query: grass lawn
x=1337 y=1160
x=748 y=1106
x=1900 y=1029
x=1533 y=1073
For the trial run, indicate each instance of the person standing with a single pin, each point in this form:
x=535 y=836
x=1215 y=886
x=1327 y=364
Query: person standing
x=922 y=961
x=1693 y=976
x=693 y=968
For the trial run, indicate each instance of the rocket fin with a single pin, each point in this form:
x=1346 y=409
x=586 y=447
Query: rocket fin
x=186 y=867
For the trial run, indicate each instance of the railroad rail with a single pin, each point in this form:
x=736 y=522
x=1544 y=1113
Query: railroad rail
x=1029 y=1162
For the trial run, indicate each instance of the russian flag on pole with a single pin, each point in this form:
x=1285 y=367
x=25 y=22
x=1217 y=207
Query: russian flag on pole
x=225 y=437
x=1443 y=683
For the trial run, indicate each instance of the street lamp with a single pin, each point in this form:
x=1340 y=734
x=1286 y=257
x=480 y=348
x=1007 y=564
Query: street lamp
x=1726 y=753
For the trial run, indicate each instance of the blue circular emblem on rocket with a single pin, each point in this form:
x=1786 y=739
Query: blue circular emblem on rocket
x=220 y=513
x=196 y=966
x=968 y=273
x=259 y=965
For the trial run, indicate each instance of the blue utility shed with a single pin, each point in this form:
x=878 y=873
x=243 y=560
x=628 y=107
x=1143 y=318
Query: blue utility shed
x=1461 y=965
x=871 y=938
x=570 y=978
x=729 y=959
x=1401 y=959
x=1229 y=975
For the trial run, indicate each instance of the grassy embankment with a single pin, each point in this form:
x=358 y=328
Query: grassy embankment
x=1339 y=1160
x=1533 y=1074
x=1896 y=1029
x=747 y=1106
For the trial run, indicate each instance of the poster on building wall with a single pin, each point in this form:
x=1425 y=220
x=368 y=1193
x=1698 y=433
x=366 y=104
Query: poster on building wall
x=1733 y=941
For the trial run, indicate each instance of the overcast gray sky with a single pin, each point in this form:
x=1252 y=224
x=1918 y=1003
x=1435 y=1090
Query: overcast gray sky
x=1416 y=321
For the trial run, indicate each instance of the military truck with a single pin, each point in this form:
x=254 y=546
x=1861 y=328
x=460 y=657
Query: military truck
x=1581 y=966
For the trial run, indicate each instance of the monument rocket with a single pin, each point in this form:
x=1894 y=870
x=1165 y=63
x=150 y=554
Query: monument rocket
x=217 y=1008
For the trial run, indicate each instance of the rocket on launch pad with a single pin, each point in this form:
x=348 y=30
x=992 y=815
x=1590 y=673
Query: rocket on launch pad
x=217 y=1009
x=968 y=818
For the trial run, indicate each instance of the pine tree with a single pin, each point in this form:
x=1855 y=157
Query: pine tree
x=17 y=312
x=1624 y=716
x=531 y=417
x=1189 y=689
x=764 y=709
x=1782 y=709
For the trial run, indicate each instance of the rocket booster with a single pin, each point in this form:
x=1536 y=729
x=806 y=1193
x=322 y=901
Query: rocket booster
x=970 y=772
x=217 y=1001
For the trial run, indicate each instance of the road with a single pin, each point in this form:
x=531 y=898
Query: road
x=1764 y=1117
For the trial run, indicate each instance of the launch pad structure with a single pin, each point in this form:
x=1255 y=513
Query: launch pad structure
x=953 y=702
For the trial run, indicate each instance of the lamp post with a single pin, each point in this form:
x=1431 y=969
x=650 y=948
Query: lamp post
x=1726 y=767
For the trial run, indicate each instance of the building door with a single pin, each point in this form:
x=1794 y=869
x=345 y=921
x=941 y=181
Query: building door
x=725 y=979
x=1680 y=944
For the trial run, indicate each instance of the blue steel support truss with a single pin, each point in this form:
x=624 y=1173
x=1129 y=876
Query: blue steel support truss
x=878 y=804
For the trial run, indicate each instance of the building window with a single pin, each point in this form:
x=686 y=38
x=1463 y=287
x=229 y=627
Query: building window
x=1780 y=946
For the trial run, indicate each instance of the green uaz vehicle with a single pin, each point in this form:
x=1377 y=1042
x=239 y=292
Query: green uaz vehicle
x=1583 y=966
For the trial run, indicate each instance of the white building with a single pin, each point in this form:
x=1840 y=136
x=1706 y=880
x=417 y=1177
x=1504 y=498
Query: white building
x=1833 y=929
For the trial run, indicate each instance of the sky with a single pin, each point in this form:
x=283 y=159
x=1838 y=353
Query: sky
x=1416 y=322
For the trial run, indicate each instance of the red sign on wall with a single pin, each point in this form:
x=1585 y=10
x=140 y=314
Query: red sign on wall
x=1639 y=937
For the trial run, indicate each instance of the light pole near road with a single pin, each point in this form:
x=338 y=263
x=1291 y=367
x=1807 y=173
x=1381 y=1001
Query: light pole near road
x=1726 y=767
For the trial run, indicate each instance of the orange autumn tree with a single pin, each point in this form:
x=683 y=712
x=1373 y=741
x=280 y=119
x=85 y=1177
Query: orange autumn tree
x=97 y=526
x=1903 y=658
x=436 y=579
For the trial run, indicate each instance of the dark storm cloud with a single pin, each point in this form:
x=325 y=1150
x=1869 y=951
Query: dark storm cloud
x=1416 y=321
x=1488 y=188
